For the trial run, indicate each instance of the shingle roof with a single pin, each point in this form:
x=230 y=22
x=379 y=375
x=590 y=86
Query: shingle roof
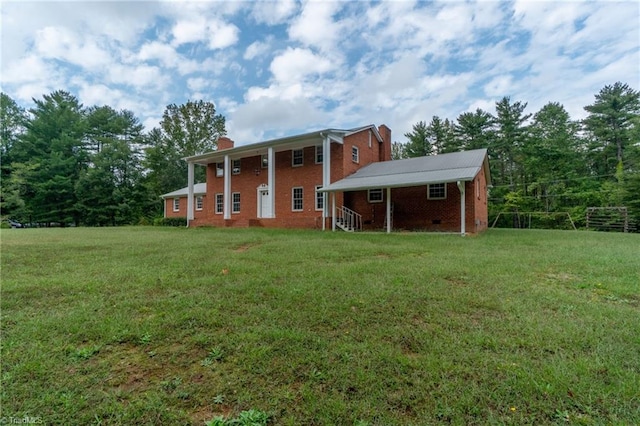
x=452 y=167
x=198 y=189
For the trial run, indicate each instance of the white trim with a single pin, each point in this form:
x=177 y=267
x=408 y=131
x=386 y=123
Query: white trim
x=355 y=151
x=190 y=178
x=463 y=213
x=293 y=199
x=227 y=188
x=199 y=200
x=271 y=180
x=375 y=201
x=233 y=202
x=174 y=204
x=389 y=210
x=429 y=197
x=215 y=207
x=316 y=199
x=293 y=157
x=321 y=148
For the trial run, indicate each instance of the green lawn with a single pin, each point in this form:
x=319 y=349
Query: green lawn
x=150 y=325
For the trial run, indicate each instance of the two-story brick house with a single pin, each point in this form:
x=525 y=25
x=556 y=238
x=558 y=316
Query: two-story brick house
x=307 y=181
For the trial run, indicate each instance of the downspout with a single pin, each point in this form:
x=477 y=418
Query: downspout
x=463 y=213
x=189 y=192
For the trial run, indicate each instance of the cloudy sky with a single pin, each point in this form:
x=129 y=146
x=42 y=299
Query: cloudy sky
x=280 y=68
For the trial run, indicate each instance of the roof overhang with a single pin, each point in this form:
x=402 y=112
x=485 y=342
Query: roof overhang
x=261 y=148
x=454 y=167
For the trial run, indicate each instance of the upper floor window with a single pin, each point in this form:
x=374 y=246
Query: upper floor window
x=265 y=161
x=176 y=204
x=355 y=154
x=219 y=169
x=319 y=154
x=296 y=199
x=297 y=158
x=219 y=203
x=375 y=195
x=199 y=202
x=236 y=167
x=437 y=191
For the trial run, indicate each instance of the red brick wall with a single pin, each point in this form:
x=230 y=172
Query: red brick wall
x=183 y=207
x=413 y=210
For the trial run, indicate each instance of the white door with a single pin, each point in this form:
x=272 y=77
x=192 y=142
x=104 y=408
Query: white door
x=265 y=207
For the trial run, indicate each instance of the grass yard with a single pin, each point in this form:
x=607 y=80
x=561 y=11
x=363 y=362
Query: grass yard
x=147 y=325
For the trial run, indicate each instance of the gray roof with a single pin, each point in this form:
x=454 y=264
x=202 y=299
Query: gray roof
x=452 y=167
x=198 y=189
x=285 y=143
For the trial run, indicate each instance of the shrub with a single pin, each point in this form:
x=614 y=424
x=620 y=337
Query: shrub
x=170 y=221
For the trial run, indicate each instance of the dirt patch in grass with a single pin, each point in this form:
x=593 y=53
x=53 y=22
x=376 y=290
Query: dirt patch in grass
x=244 y=247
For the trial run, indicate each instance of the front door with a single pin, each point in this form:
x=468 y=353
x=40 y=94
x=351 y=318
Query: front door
x=264 y=206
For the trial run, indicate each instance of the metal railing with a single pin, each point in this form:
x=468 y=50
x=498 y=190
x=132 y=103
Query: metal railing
x=348 y=220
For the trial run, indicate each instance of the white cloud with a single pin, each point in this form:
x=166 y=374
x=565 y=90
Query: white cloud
x=63 y=44
x=140 y=77
x=222 y=35
x=256 y=49
x=273 y=12
x=315 y=26
x=297 y=64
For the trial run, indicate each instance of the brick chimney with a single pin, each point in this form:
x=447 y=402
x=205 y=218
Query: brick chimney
x=385 y=148
x=224 y=143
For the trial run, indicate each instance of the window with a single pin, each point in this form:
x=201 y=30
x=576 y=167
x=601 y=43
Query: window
x=219 y=203
x=355 y=156
x=437 y=191
x=319 y=198
x=319 y=154
x=296 y=199
x=297 y=158
x=375 y=195
x=199 y=202
x=265 y=161
x=220 y=169
x=236 y=167
x=176 y=204
x=236 y=202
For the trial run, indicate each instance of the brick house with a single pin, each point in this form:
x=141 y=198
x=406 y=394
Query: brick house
x=332 y=179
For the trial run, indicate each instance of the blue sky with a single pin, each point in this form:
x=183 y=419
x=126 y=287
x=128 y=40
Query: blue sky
x=280 y=68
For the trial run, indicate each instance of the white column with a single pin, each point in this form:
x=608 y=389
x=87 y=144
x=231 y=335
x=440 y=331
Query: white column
x=271 y=180
x=227 y=188
x=388 y=210
x=333 y=211
x=463 y=214
x=326 y=170
x=189 y=192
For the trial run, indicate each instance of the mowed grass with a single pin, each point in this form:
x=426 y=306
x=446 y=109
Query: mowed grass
x=150 y=326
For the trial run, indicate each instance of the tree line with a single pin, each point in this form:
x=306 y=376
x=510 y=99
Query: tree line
x=546 y=162
x=63 y=163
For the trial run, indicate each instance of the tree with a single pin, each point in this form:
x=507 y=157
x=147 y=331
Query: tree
x=108 y=191
x=12 y=124
x=398 y=151
x=429 y=139
x=51 y=150
x=189 y=129
x=611 y=121
x=552 y=154
x=418 y=144
x=474 y=130
x=510 y=138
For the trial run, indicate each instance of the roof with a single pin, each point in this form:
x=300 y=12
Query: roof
x=281 y=144
x=442 y=168
x=198 y=189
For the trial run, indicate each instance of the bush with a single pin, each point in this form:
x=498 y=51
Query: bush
x=170 y=221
